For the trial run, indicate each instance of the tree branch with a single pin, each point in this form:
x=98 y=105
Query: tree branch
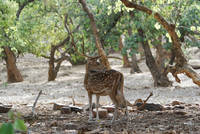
x=112 y=25
x=101 y=52
x=22 y=6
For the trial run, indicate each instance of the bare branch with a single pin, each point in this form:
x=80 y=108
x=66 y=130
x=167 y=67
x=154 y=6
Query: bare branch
x=33 y=108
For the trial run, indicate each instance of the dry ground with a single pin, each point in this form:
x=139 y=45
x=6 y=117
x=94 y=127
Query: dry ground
x=69 y=84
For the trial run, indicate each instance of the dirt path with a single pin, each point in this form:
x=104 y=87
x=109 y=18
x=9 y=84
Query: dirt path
x=70 y=84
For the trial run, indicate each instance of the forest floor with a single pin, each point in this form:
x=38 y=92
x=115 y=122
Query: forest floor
x=69 y=84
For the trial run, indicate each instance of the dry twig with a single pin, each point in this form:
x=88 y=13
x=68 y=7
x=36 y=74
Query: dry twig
x=143 y=105
x=33 y=108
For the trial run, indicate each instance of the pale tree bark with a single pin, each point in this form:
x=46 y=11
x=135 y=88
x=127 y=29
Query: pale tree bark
x=134 y=67
x=101 y=52
x=126 y=62
x=13 y=73
x=181 y=63
x=160 y=79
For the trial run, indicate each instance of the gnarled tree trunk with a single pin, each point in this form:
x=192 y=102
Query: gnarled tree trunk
x=101 y=52
x=53 y=70
x=160 y=79
x=162 y=56
x=181 y=62
x=13 y=73
x=126 y=62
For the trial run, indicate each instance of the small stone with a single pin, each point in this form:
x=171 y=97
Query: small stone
x=110 y=109
x=57 y=106
x=71 y=132
x=66 y=110
x=103 y=113
x=178 y=107
x=180 y=113
x=86 y=107
x=53 y=124
x=76 y=109
x=176 y=103
x=5 y=108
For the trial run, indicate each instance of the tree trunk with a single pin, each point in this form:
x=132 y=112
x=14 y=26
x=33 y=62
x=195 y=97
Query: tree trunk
x=181 y=62
x=52 y=73
x=159 y=78
x=162 y=56
x=13 y=73
x=126 y=62
x=134 y=68
x=53 y=70
x=104 y=59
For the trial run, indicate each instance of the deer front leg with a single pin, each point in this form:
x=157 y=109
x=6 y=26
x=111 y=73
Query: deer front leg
x=97 y=106
x=90 y=106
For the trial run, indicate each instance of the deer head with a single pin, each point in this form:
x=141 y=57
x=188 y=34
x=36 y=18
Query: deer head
x=93 y=64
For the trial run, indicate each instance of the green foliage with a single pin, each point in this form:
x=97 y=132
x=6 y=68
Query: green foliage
x=15 y=124
x=7 y=128
x=131 y=43
x=41 y=24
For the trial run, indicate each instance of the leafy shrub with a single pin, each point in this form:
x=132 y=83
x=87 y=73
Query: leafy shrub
x=15 y=124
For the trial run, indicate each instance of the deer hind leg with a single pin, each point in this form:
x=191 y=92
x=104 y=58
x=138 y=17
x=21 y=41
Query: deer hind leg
x=97 y=106
x=90 y=106
x=116 y=108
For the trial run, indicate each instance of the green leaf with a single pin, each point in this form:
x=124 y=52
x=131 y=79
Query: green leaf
x=11 y=115
x=19 y=125
x=6 y=128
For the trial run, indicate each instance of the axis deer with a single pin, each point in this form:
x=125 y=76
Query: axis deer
x=103 y=82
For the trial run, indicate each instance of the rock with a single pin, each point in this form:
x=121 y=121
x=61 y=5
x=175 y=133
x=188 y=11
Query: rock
x=110 y=109
x=168 y=108
x=103 y=113
x=70 y=126
x=178 y=107
x=5 y=108
x=57 y=106
x=76 y=109
x=71 y=132
x=66 y=110
x=86 y=107
x=54 y=124
x=175 y=103
x=96 y=131
x=180 y=113
x=195 y=64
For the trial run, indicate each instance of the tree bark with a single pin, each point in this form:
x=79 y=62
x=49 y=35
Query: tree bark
x=126 y=62
x=22 y=6
x=104 y=59
x=162 y=56
x=13 y=73
x=53 y=70
x=134 y=66
x=160 y=79
x=181 y=62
